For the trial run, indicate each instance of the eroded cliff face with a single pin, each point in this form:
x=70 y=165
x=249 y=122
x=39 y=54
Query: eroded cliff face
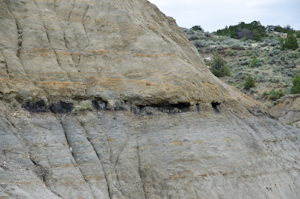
x=108 y=99
x=113 y=50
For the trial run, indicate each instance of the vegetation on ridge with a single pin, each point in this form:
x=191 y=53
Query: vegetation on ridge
x=272 y=61
x=243 y=30
x=253 y=30
x=290 y=42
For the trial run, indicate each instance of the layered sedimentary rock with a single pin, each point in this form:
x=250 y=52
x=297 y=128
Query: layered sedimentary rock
x=108 y=99
x=287 y=110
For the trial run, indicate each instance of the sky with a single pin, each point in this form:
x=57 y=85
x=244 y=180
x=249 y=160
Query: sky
x=216 y=14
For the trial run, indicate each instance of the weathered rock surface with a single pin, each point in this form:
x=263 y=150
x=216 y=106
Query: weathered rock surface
x=287 y=109
x=108 y=99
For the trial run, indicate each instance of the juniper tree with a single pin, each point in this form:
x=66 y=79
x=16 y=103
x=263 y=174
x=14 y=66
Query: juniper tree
x=218 y=66
x=249 y=82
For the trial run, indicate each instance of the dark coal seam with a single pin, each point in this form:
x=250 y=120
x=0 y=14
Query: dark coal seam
x=170 y=108
x=61 y=107
x=36 y=107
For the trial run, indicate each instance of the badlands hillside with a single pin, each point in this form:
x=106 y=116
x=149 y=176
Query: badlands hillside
x=272 y=68
x=108 y=99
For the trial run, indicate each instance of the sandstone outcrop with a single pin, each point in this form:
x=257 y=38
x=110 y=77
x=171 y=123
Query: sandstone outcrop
x=108 y=99
x=286 y=110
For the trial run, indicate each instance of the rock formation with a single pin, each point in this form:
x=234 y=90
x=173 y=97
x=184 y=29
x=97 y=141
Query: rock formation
x=108 y=99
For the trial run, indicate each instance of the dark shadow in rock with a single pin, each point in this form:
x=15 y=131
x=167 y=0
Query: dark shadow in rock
x=61 y=107
x=198 y=107
x=99 y=106
x=215 y=106
x=36 y=107
x=170 y=108
x=257 y=112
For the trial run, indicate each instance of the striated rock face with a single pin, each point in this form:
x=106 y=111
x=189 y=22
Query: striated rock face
x=108 y=99
x=287 y=110
x=113 y=50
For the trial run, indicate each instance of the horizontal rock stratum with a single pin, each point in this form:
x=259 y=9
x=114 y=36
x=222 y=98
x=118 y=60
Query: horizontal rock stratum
x=108 y=99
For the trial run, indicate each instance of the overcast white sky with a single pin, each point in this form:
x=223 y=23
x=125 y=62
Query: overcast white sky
x=216 y=14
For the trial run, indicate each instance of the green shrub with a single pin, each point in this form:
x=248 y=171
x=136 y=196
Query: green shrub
x=276 y=51
x=293 y=55
x=193 y=37
x=275 y=95
x=249 y=82
x=255 y=62
x=253 y=30
x=298 y=34
x=296 y=85
x=264 y=94
x=218 y=66
x=83 y=107
x=245 y=62
x=290 y=42
x=197 y=28
x=237 y=47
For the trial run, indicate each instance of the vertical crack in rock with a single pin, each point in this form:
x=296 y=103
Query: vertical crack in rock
x=18 y=29
x=92 y=144
x=73 y=4
x=109 y=190
x=117 y=159
x=90 y=166
x=65 y=41
x=100 y=143
x=20 y=41
x=14 y=130
x=140 y=168
x=83 y=24
x=42 y=173
x=69 y=144
x=63 y=30
x=93 y=150
x=107 y=183
x=5 y=64
x=47 y=34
